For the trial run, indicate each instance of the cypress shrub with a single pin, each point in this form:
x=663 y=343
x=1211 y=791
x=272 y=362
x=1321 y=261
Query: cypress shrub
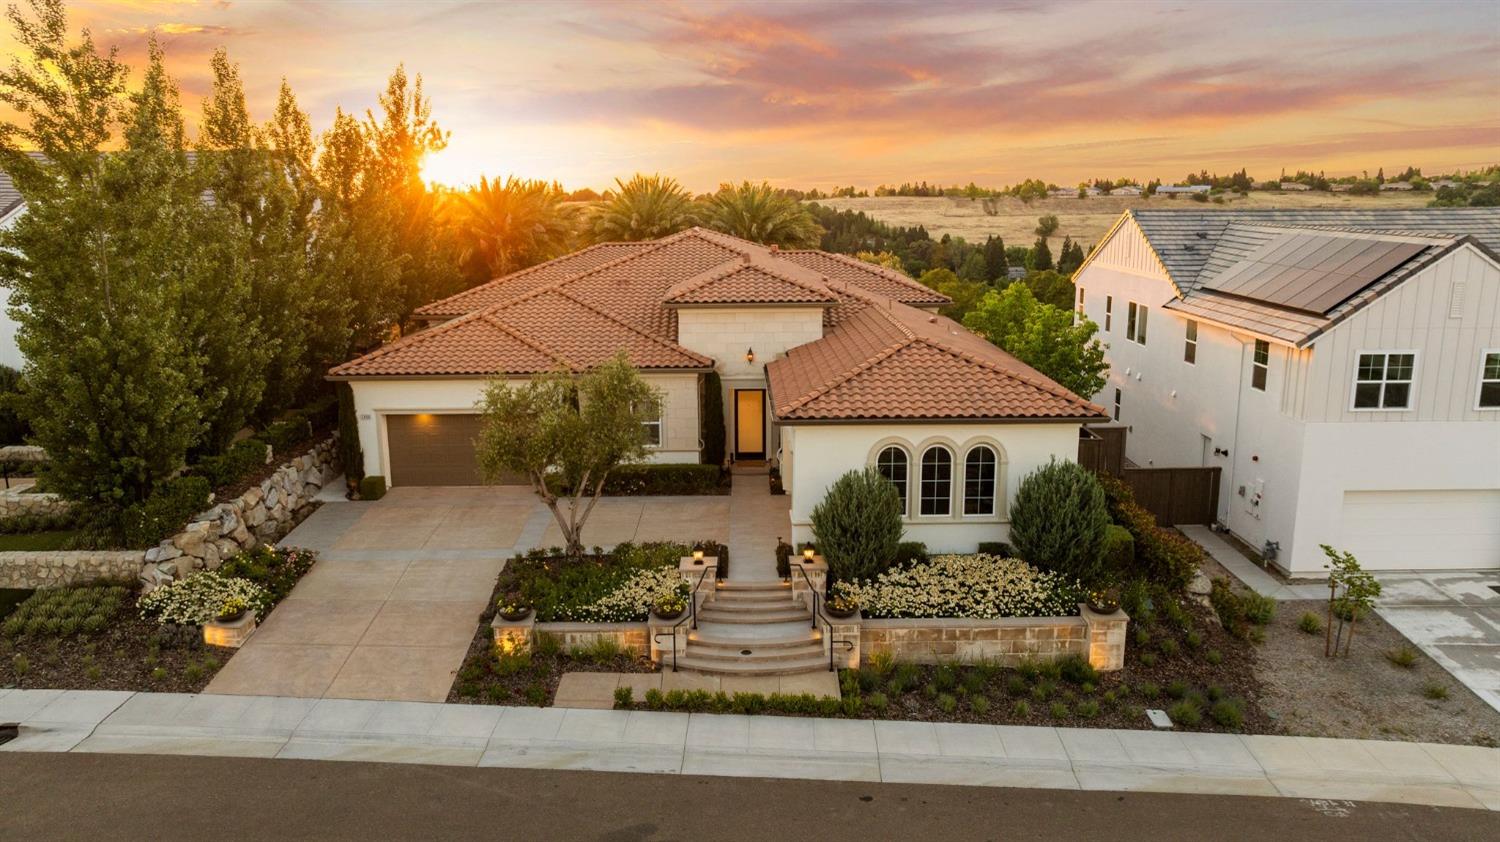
x=1058 y=520
x=712 y=420
x=857 y=526
x=350 y=454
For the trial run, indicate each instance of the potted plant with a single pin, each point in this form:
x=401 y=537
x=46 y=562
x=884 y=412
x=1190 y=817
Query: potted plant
x=669 y=606
x=512 y=608
x=232 y=609
x=1104 y=598
x=841 y=607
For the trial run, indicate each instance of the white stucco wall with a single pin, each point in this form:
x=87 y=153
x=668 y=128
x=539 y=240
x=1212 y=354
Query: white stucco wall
x=374 y=399
x=1292 y=448
x=726 y=333
x=815 y=455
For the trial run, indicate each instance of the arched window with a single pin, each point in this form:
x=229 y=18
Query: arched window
x=937 y=482
x=893 y=465
x=981 y=469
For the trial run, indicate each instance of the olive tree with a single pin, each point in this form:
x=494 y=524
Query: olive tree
x=566 y=432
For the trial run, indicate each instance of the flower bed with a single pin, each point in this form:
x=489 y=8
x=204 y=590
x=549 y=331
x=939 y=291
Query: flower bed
x=259 y=578
x=964 y=586
x=618 y=586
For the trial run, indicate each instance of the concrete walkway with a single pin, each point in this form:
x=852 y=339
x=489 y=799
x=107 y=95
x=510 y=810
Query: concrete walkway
x=761 y=746
x=1247 y=571
x=756 y=519
x=1452 y=616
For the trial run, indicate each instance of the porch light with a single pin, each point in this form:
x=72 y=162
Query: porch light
x=750 y=355
x=807 y=553
x=697 y=556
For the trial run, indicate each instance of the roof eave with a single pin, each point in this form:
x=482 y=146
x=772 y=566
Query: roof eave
x=341 y=378
x=906 y=419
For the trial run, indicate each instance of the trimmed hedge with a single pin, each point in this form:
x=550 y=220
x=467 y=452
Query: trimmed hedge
x=1161 y=557
x=645 y=480
x=172 y=504
x=996 y=548
x=910 y=551
x=372 y=487
x=1117 y=552
x=242 y=459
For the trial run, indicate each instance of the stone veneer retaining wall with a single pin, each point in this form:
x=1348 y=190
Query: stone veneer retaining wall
x=520 y=635
x=17 y=502
x=1006 y=641
x=263 y=513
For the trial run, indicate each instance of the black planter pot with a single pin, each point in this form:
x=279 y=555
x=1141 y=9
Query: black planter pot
x=230 y=618
x=515 y=616
x=840 y=615
x=668 y=615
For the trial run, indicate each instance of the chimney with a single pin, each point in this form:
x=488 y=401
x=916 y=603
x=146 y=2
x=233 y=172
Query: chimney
x=775 y=249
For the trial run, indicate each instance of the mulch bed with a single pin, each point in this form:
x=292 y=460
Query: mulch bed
x=130 y=654
x=487 y=678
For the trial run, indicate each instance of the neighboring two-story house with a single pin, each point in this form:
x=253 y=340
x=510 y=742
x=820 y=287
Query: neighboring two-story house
x=1341 y=366
x=826 y=364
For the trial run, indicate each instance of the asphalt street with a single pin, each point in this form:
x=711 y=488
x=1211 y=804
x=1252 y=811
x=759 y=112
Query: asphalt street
x=105 y=796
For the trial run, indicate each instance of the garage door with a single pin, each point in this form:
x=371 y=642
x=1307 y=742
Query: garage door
x=1432 y=530
x=434 y=449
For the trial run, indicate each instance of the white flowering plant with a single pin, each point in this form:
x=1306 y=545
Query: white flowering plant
x=200 y=598
x=632 y=600
x=981 y=587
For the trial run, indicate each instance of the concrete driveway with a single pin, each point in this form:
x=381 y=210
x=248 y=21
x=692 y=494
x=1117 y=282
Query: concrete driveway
x=1454 y=618
x=390 y=608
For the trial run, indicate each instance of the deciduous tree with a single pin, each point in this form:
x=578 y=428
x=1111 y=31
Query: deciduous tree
x=1042 y=336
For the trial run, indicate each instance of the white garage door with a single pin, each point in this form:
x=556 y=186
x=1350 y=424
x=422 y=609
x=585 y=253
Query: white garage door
x=1432 y=530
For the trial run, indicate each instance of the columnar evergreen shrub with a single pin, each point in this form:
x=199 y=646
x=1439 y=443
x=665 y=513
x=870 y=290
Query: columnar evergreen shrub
x=1058 y=520
x=857 y=526
x=350 y=454
x=713 y=420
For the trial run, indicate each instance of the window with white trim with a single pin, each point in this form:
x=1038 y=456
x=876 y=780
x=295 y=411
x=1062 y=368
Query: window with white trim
x=1190 y=344
x=1135 y=323
x=1260 y=365
x=893 y=464
x=1109 y=311
x=1117 y=405
x=1382 y=380
x=1489 y=380
x=1080 y=305
x=653 y=428
x=936 y=495
x=981 y=471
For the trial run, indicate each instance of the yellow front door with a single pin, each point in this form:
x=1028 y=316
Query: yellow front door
x=750 y=423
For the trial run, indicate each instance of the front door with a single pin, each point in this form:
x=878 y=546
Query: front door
x=750 y=423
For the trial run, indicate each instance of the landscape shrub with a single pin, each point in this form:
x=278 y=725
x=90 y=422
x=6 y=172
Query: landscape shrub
x=1058 y=519
x=240 y=461
x=372 y=487
x=200 y=598
x=712 y=414
x=286 y=434
x=996 y=548
x=975 y=586
x=13 y=427
x=64 y=612
x=1117 y=553
x=1162 y=557
x=857 y=525
x=171 y=505
x=350 y=454
x=32 y=523
x=681 y=479
x=276 y=570
x=910 y=551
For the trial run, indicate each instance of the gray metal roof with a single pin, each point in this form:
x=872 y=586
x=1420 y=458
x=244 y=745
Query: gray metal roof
x=1291 y=274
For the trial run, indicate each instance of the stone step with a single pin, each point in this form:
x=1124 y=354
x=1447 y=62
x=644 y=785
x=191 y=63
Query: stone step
x=757 y=654
x=782 y=595
x=712 y=615
x=744 y=667
x=754 y=585
x=754 y=606
x=729 y=641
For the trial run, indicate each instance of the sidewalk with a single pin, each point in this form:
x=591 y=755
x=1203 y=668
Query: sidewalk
x=1246 y=570
x=757 y=746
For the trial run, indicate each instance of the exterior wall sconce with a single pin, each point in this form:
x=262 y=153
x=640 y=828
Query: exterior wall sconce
x=750 y=355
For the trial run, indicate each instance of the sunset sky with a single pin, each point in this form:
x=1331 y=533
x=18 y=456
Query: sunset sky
x=822 y=94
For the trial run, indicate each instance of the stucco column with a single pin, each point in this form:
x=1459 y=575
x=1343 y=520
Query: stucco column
x=514 y=636
x=838 y=633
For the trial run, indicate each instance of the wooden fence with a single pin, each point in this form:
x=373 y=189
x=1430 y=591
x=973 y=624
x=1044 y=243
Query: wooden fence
x=1174 y=495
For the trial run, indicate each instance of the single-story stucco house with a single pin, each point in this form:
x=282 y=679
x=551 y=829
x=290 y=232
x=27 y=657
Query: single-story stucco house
x=827 y=364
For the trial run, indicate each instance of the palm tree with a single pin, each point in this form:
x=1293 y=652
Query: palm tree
x=505 y=227
x=648 y=207
x=763 y=214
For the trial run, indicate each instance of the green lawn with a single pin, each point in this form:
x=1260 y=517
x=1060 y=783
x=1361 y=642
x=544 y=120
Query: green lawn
x=38 y=541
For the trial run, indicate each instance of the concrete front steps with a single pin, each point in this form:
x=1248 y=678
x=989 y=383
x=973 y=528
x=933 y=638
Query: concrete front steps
x=754 y=628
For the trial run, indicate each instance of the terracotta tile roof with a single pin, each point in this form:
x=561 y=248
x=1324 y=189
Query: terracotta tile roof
x=754 y=282
x=581 y=309
x=526 y=280
x=894 y=362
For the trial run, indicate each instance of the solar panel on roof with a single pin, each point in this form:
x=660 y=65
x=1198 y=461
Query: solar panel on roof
x=1313 y=272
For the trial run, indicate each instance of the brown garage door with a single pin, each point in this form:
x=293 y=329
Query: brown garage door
x=434 y=449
